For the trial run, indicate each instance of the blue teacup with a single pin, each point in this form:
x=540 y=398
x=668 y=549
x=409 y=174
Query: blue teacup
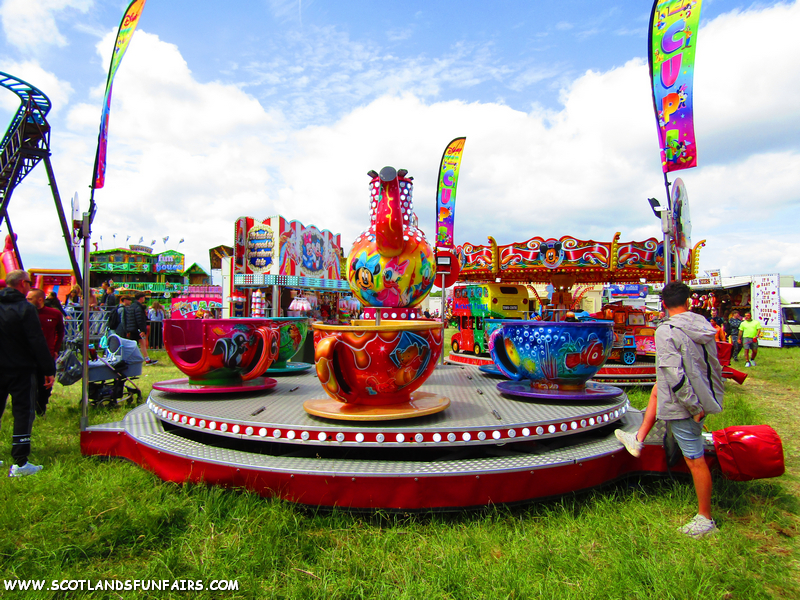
x=552 y=355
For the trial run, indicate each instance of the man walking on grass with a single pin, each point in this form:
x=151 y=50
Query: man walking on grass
x=688 y=387
x=749 y=332
x=23 y=350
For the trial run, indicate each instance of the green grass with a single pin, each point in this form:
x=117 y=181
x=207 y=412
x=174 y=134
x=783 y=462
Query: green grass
x=84 y=518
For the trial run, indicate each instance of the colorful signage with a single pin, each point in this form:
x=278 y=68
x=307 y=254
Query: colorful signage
x=276 y=246
x=673 y=38
x=446 y=192
x=183 y=308
x=538 y=259
x=630 y=290
x=169 y=262
x=766 y=294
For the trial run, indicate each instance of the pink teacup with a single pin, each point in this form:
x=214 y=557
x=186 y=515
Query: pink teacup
x=221 y=351
x=373 y=364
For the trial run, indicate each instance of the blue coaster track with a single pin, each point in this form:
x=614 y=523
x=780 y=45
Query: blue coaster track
x=26 y=143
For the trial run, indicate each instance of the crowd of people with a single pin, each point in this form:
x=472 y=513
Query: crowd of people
x=33 y=328
x=30 y=335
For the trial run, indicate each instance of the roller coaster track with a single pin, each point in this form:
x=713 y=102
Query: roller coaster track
x=26 y=143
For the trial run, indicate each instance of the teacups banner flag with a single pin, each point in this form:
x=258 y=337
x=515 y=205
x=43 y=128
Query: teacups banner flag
x=446 y=192
x=672 y=42
x=126 y=28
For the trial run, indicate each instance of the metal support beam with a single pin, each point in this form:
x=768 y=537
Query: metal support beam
x=65 y=228
x=14 y=242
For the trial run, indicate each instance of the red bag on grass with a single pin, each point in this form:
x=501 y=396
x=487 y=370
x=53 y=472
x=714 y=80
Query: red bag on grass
x=748 y=452
x=724 y=352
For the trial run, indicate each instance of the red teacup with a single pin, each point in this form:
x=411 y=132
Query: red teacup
x=221 y=351
x=376 y=364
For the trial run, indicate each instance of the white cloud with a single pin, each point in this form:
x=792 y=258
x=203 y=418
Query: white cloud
x=186 y=158
x=31 y=24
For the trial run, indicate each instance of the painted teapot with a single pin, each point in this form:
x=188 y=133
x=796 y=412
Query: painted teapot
x=391 y=263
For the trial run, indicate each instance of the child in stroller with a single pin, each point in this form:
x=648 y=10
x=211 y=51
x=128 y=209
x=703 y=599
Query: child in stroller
x=111 y=378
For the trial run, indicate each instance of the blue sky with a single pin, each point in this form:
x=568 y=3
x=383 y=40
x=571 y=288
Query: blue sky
x=278 y=107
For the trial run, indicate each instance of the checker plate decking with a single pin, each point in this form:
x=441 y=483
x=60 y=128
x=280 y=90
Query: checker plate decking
x=478 y=415
x=345 y=463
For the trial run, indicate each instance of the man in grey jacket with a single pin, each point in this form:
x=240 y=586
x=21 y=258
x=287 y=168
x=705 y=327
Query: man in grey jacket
x=689 y=387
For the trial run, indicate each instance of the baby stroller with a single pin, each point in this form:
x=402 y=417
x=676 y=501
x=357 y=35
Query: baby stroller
x=111 y=378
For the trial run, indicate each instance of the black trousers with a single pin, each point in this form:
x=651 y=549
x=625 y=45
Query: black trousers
x=21 y=385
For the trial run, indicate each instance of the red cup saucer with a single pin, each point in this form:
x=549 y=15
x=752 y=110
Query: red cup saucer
x=182 y=386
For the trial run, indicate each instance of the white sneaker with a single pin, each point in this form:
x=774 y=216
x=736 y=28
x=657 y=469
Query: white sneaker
x=699 y=527
x=752 y=363
x=26 y=469
x=747 y=364
x=630 y=442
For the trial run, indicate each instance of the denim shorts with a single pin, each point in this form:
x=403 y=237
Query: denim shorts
x=688 y=434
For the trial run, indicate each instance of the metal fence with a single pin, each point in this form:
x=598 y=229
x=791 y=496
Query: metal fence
x=73 y=325
x=98 y=327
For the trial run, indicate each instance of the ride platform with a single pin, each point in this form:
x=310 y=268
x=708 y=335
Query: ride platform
x=485 y=448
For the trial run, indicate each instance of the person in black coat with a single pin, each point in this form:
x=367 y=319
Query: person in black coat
x=23 y=349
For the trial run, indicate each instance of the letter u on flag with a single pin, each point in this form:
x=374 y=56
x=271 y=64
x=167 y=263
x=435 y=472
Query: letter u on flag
x=449 y=169
x=126 y=28
x=672 y=42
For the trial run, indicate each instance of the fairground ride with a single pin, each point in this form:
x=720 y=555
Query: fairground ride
x=25 y=144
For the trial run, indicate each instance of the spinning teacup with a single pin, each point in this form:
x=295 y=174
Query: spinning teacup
x=552 y=355
x=292 y=332
x=375 y=365
x=221 y=351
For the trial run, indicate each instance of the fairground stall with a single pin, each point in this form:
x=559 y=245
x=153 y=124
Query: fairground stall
x=569 y=267
x=284 y=268
x=761 y=295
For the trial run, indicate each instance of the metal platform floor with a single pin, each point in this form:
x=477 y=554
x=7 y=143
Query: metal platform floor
x=478 y=415
x=464 y=457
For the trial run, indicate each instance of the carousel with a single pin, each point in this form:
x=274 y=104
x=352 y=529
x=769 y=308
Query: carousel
x=568 y=265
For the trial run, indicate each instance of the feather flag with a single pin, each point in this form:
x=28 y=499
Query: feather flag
x=141 y=239
x=153 y=243
x=126 y=29
x=672 y=42
x=446 y=192
x=165 y=238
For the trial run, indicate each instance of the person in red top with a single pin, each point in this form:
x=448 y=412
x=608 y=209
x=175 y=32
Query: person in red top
x=53 y=328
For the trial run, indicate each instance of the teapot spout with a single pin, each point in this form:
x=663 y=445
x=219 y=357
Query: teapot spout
x=389 y=218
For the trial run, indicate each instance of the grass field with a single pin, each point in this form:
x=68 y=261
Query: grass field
x=87 y=519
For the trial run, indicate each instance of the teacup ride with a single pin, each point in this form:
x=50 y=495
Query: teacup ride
x=292 y=333
x=553 y=361
x=372 y=369
x=489 y=447
x=220 y=356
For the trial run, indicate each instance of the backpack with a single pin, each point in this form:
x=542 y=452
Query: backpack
x=69 y=368
x=114 y=319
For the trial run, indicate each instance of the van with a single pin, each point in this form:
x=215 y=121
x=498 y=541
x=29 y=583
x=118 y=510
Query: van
x=791 y=325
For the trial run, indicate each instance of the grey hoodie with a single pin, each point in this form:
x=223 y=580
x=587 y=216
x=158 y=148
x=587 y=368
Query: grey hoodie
x=689 y=375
